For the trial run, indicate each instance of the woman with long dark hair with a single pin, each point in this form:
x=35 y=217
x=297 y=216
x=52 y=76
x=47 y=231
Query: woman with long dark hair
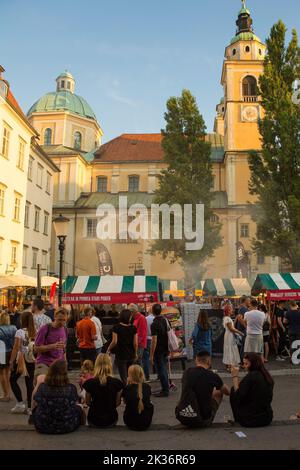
x=202 y=334
x=22 y=362
x=124 y=343
x=56 y=402
x=251 y=398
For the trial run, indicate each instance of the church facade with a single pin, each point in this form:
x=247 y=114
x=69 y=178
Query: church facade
x=92 y=174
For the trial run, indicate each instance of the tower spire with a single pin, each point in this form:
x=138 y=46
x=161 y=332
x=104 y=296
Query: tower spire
x=244 y=22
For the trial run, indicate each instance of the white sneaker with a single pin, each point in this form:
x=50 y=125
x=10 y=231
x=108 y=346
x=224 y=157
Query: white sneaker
x=20 y=408
x=280 y=359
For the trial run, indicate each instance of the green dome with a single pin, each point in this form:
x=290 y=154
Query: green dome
x=63 y=100
x=247 y=36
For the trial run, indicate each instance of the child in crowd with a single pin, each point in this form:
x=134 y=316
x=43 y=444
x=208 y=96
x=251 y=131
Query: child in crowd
x=137 y=397
x=86 y=373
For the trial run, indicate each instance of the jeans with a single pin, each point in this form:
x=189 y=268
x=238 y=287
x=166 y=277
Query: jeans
x=123 y=367
x=146 y=360
x=160 y=362
x=140 y=356
x=28 y=382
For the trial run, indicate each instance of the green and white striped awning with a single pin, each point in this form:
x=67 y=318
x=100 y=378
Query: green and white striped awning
x=226 y=287
x=278 y=286
x=110 y=289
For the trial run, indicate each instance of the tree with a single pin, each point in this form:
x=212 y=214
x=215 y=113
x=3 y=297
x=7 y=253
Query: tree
x=275 y=171
x=187 y=180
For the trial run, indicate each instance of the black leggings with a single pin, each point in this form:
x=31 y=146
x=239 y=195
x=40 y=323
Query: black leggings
x=28 y=382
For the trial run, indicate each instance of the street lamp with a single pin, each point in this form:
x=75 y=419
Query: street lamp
x=60 y=225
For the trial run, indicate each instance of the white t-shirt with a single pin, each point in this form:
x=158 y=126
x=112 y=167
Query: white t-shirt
x=98 y=342
x=39 y=320
x=255 y=321
x=22 y=336
x=149 y=319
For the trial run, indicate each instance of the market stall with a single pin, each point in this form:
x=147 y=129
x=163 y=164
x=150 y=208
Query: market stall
x=110 y=289
x=278 y=286
x=228 y=288
x=172 y=288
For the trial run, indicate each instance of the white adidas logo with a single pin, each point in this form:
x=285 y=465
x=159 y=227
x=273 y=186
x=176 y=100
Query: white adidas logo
x=188 y=412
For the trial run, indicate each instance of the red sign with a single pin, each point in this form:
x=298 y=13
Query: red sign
x=110 y=298
x=284 y=295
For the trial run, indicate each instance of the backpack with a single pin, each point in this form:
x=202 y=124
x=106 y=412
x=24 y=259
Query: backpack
x=28 y=343
x=173 y=342
x=187 y=410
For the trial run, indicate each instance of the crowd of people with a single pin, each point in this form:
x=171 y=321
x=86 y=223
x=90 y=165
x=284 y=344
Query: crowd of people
x=38 y=346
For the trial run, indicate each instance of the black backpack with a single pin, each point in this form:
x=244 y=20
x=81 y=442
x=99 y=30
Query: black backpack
x=187 y=410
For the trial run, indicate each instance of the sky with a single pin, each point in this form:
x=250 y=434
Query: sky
x=127 y=56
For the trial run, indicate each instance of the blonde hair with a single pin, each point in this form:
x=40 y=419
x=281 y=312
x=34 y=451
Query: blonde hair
x=136 y=376
x=103 y=368
x=4 y=318
x=87 y=366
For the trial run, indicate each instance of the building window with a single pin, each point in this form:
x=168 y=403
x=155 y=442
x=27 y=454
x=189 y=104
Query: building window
x=17 y=208
x=234 y=52
x=14 y=254
x=261 y=259
x=247 y=49
x=102 y=184
x=2 y=198
x=25 y=256
x=48 y=183
x=77 y=140
x=91 y=228
x=244 y=230
x=40 y=176
x=48 y=136
x=63 y=84
x=35 y=253
x=44 y=260
x=249 y=87
x=46 y=223
x=214 y=219
x=133 y=184
x=37 y=212
x=5 y=141
x=30 y=168
x=27 y=214
x=21 y=156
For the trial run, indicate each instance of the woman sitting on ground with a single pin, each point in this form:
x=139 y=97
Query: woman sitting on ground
x=136 y=395
x=251 y=398
x=56 y=401
x=103 y=394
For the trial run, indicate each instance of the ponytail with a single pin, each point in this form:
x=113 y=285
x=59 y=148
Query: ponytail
x=140 y=397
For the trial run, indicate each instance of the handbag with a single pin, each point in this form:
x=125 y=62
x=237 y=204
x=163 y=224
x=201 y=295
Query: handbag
x=173 y=342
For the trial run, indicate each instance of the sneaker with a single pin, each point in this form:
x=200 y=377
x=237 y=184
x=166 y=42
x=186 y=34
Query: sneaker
x=280 y=359
x=20 y=408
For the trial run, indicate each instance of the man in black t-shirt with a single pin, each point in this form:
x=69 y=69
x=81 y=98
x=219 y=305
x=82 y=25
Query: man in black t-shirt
x=160 y=349
x=280 y=312
x=206 y=387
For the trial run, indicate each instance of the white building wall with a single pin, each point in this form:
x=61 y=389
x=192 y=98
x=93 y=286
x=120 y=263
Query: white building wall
x=38 y=239
x=13 y=180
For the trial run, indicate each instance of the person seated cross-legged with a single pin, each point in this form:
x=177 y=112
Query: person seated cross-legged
x=202 y=394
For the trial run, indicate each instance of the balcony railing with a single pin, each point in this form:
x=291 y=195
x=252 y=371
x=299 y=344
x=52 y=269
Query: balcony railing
x=250 y=99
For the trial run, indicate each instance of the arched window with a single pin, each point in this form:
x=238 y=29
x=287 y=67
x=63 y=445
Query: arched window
x=77 y=140
x=249 y=86
x=214 y=219
x=48 y=136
